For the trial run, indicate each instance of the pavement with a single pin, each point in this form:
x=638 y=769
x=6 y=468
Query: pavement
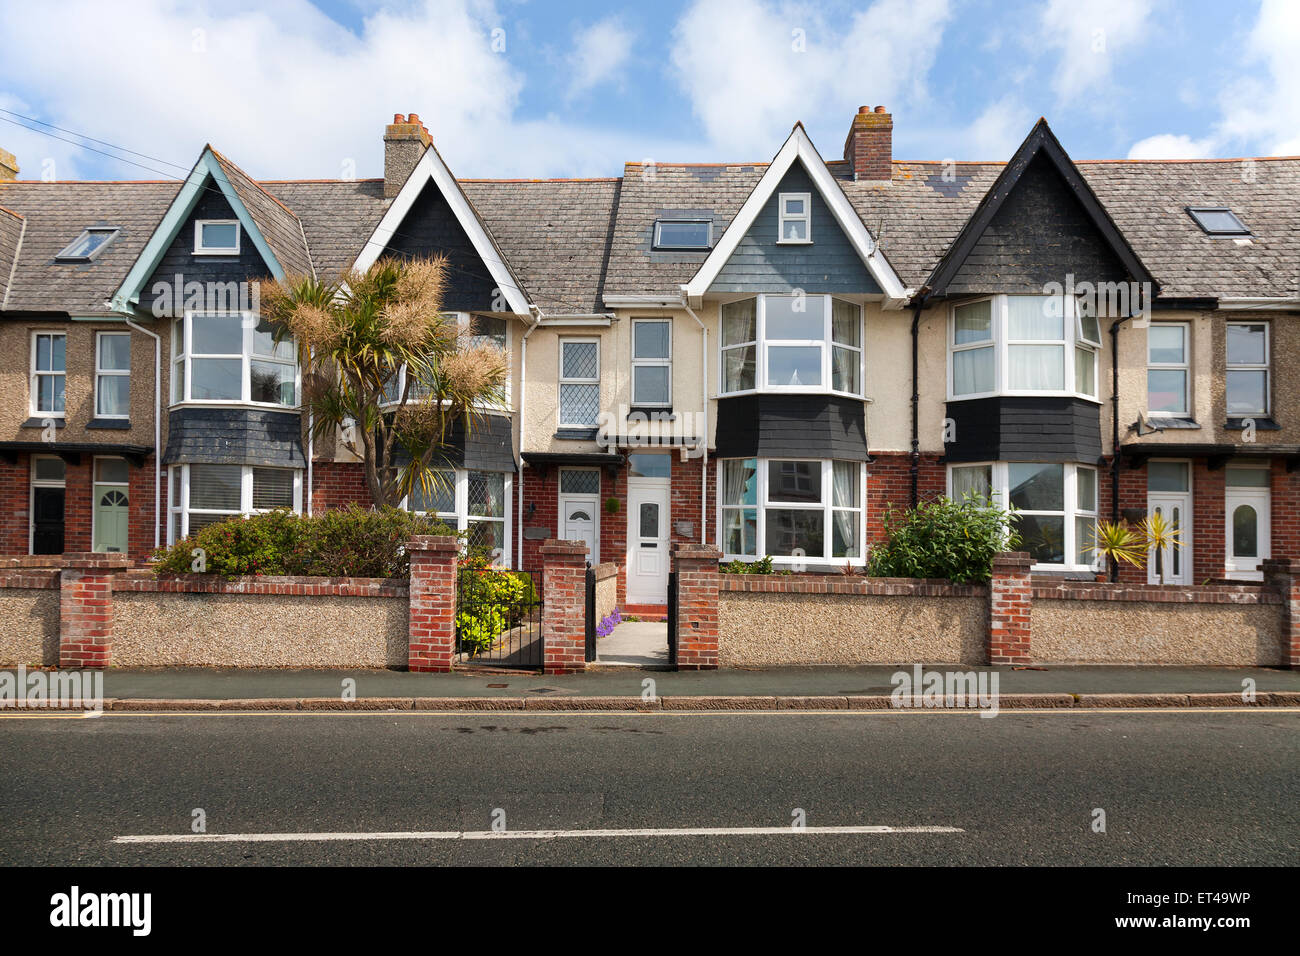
x=635 y=644
x=1062 y=788
x=823 y=688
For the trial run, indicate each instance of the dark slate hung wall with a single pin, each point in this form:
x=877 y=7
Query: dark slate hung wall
x=1025 y=429
x=791 y=426
x=234 y=436
x=1041 y=234
x=829 y=264
x=488 y=445
x=179 y=259
x=430 y=228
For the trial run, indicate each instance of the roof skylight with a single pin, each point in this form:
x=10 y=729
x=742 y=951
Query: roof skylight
x=1218 y=221
x=88 y=245
x=683 y=233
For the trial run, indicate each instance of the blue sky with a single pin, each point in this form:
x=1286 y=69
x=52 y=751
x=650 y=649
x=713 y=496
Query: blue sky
x=538 y=89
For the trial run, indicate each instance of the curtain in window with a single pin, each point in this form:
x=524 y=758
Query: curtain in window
x=1036 y=367
x=845 y=495
x=1033 y=317
x=738 y=476
x=976 y=482
x=972 y=371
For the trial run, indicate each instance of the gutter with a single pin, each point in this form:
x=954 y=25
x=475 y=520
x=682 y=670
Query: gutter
x=157 y=428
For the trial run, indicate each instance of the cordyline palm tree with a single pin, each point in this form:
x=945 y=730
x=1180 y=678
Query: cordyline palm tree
x=387 y=369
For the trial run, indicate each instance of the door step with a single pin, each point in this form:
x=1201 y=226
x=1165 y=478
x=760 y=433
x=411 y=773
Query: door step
x=646 y=612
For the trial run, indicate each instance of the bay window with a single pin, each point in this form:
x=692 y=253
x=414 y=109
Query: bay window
x=803 y=343
x=1022 y=345
x=203 y=494
x=473 y=501
x=800 y=509
x=232 y=357
x=1055 y=505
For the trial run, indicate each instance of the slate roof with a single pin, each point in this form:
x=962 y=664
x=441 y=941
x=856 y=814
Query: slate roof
x=570 y=242
x=11 y=231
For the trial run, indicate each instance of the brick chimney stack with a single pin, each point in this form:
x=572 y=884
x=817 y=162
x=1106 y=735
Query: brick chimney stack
x=8 y=166
x=405 y=140
x=869 y=148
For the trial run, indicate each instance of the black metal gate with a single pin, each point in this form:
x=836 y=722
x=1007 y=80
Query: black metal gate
x=590 y=613
x=498 y=618
x=672 y=618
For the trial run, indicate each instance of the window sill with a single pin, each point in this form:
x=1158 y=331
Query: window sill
x=1161 y=421
x=576 y=434
x=794 y=242
x=121 y=424
x=653 y=410
x=39 y=421
x=1262 y=424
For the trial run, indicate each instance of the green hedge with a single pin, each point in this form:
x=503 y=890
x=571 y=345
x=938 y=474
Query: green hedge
x=346 y=542
x=943 y=539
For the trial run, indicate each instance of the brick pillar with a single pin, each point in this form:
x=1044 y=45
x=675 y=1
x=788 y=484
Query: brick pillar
x=1010 y=603
x=564 y=606
x=86 y=608
x=697 y=606
x=1284 y=575
x=431 y=635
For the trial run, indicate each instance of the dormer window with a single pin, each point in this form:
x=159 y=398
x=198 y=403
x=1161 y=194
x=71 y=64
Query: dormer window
x=88 y=245
x=688 y=235
x=794 y=215
x=216 y=237
x=1218 y=221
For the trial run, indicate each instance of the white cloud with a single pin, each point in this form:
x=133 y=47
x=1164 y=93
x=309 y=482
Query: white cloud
x=1086 y=39
x=997 y=132
x=750 y=68
x=600 y=52
x=284 y=90
x=1171 y=146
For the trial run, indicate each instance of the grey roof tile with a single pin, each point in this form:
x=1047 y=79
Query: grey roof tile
x=276 y=222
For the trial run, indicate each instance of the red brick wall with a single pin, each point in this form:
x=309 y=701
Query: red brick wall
x=1208 y=499
x=1286 y=511
x=336 y=484
x=14 y=501
x=889 y=483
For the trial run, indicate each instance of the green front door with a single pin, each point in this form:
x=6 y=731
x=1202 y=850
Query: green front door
x=110 y=518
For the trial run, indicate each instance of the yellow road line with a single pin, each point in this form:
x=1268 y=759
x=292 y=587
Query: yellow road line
x=905 y=712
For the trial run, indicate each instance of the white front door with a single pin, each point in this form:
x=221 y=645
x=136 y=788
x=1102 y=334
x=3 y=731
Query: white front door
x=1249 y=517
x=1173 y=561
x=647 y=540
x=578 y=523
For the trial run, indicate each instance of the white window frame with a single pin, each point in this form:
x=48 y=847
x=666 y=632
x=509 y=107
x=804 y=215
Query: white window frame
x=466 y=321
x=248 y=327
x=201 y=250
x=826 y=344
x=1072 y=339
x=559 y=402
x=65 y=254
x=101 y=373
x=827 y=507
x=36 y=374
x=652 y=363
x=178 y=512
x=1185 y=366
x=658 y=245
x=96 y=484
x=783 y=217
x=461 y=519
x=1266 y=368
x=1000 y=493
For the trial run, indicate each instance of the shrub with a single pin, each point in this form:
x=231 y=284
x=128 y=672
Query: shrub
x=489 y=602
x=348 y=542
x=943 y=539
x=762 y=566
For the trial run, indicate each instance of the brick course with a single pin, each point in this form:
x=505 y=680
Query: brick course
x=564 y=580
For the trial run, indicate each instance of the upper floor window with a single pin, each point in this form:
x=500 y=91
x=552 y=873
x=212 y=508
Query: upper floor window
x=805 y=343
x=579 y=382
x=685 y=234
x=1167 y=369
x=113 y=375
x=794 y=215
x=49 y=373
x=1248 y=369
x=216 y=237
x=481 y=330
x=1022 y=345
x=652 y=362
x=89 y=244
x=1218 y=221
x=232 y=357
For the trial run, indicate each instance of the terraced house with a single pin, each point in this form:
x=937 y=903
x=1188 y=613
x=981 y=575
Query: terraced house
x=763 y=356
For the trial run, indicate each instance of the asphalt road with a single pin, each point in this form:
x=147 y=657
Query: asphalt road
x=1184 y=787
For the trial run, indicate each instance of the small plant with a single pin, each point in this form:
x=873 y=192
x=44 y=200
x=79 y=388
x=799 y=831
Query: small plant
x=1119 y=542
x=762 y=566
x=612 y=505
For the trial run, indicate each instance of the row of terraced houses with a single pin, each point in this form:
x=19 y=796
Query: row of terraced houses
x=760 y=356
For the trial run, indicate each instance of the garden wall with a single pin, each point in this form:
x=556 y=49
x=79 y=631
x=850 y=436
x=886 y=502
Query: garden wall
x=29 y=617
x=260 y=622
x=822 y=619
x=606 y=589
x=1229 y=625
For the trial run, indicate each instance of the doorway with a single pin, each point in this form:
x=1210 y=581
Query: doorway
x=49 y=476
x=1169 y=494
x=647 y=540
x=579 y=507
x=1248 y=514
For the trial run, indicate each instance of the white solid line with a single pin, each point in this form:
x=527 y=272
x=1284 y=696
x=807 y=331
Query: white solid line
x=514 y=834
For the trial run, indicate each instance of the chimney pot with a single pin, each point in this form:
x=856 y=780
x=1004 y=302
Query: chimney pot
x=880 y=109
x=405 y=141
x=398 y=119
x=864 y=109
x=414 y=119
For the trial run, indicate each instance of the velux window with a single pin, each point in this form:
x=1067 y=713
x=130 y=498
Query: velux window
x=232 y=357
x=804 y=343
x=1022 y=344
x=216 y=237
x=684 y=234
x=1218 y=221
x=88 y=245
x=1248 y=369
x=808 y=510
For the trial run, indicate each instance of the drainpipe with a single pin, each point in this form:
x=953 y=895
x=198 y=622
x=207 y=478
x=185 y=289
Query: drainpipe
x=916 y=404
x=311 y=438
x=523 y=409
x=704 y=401
x=1114 y=433
x=157 y=428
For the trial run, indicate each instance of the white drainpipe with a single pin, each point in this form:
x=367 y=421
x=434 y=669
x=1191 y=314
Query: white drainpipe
x=523 y=409
x=159 y=511
x=704 y=400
